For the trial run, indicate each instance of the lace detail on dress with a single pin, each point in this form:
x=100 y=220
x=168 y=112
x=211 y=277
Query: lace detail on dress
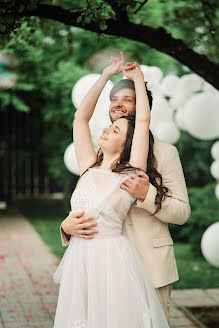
x=98 y=193
x=80 y=324
x=81 y=198
x=109 y=224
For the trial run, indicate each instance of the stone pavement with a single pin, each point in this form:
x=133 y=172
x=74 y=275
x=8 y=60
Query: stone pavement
x=190 y=298
x=28 y=295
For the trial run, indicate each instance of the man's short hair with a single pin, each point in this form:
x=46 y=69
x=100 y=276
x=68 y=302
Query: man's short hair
x=129 y=84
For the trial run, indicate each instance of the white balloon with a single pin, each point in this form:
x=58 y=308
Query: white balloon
x=217 y=191
x=82 y=86
x=201 y=116
x=152 y=75
x=186 y=86
x=100 y=117
x=215 y=169
x=156 y=91
x=179 y=119
x=215 y=150
x=70 y=160
x=167 y=131
x=161 y=112
x=207 y=87
x=179 y=99
x=191 y=82
x=169 y=85
x=210 y=244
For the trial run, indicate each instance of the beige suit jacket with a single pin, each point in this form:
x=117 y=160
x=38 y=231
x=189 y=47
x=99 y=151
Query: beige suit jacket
x=149 y=233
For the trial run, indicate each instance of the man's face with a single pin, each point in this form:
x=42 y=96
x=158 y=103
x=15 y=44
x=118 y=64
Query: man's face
x=122 y=104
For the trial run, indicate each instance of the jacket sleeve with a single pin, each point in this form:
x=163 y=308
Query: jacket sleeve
x=175 y=208
x=64 y=237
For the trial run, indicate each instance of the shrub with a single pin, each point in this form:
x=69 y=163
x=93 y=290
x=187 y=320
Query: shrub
x=204 y=212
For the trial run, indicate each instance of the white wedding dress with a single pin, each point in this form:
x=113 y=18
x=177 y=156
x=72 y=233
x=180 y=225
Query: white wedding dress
x=103 y=282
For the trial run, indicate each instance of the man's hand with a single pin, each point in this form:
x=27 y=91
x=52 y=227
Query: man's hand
x=116 y=65
x=132 y=71
x=137 y=186
x=74 y=225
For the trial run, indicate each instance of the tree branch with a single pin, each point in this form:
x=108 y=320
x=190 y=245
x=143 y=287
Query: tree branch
x=120 y=11
x=157 y=38
x=140 y=7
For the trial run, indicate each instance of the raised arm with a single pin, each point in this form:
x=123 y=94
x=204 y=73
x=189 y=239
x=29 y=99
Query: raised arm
x=84 y=149
x=140 y=142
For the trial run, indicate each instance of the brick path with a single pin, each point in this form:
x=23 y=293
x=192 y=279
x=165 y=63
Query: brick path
x=28 y=295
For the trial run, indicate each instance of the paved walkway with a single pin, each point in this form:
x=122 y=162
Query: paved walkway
x=28 y=295
x=181 y=299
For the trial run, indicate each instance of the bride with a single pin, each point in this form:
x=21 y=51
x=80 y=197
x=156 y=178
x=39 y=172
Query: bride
x=103 y=283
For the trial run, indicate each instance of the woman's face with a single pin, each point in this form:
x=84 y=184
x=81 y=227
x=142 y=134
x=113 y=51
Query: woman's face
x=113 y=138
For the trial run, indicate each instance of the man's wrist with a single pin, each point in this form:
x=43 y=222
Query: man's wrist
x=63 y=229
x=66 y=234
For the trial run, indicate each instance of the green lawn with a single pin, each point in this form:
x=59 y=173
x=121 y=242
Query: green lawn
x=194 y=271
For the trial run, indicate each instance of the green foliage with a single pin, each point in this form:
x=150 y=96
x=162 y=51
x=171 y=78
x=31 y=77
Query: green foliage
x=194 y=271
x=197 y=170
x=53 y=57
x=47 y=73
x=204 y=212
x=18 y=104
x=195 y=22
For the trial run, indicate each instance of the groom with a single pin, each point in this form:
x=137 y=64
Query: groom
x=148 y=231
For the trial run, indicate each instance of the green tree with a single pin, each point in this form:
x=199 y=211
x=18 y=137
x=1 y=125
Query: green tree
x=195 y=25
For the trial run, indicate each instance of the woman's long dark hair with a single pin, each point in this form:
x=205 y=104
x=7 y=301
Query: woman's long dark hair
x=122 y=165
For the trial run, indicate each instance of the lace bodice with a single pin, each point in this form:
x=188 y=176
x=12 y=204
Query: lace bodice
x=98 y=193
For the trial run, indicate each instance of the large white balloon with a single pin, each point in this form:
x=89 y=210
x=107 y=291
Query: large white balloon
x=215 y=169
x=100 y=118
x=179 y=99
x=161 y=112
x=70 y=160
x=186 y=86
x=179 y=119
x=210 y=244
x=215 y=150
x=152 y=75
x=167 y=131
x=191 y=82
x=201 y=116
x=82 y=86
x=210 y=89
x=217 y=191
x=169 y=85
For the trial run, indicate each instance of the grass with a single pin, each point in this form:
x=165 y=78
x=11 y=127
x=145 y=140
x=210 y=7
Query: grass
x=194 y=271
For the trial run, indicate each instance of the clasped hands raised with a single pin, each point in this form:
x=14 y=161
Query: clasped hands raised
x=130 y=70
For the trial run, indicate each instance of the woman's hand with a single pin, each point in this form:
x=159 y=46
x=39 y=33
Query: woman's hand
x=132 y=71
x=116 y=65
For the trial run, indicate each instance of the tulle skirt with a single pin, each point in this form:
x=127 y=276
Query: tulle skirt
x=104 y=284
